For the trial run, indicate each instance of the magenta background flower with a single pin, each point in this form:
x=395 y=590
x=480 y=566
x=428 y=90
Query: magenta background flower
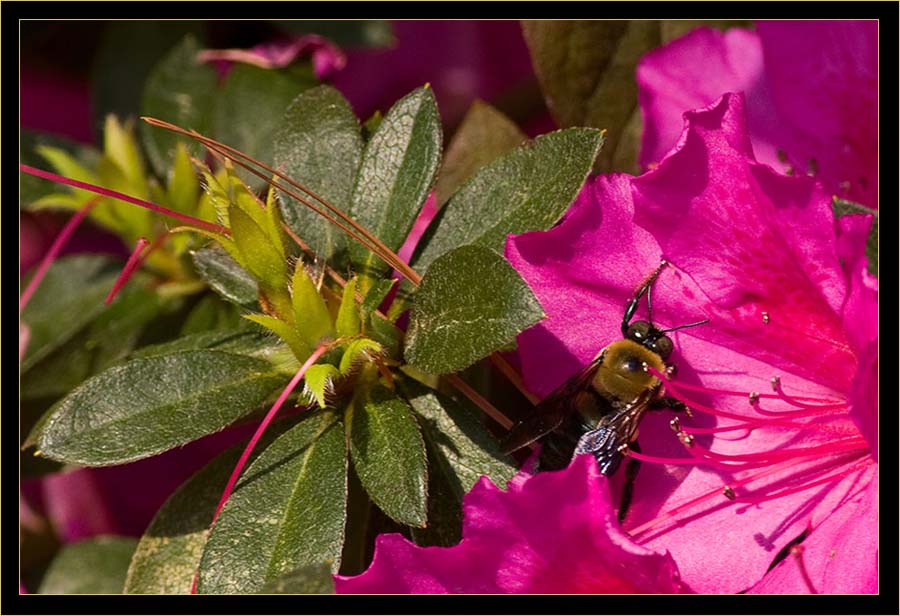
x=548 y=533
x=744 y=241
x=327 y=58
x=811 y=90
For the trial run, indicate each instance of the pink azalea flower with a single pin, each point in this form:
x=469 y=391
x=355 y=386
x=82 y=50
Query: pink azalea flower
x=327 y=58
x=549 y=533
x=811 y=89
x=759 y=254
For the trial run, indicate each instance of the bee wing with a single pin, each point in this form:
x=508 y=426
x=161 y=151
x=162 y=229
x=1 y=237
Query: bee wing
x=549 y=412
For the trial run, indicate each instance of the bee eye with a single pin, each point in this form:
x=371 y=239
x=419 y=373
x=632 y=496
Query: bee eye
x=638 y=331
x=663 y=347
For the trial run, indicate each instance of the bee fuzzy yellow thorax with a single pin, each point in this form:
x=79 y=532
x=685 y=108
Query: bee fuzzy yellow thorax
x=621 y=372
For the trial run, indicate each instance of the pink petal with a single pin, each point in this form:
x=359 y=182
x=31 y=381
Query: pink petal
x=754 y=242
x=824 y=81
x=551 y=533
x=327 y=58
x=692 y=72
x=840 y=555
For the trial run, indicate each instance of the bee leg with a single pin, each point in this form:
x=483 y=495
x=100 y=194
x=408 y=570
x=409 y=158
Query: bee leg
x=631 y=472
x=671 y=404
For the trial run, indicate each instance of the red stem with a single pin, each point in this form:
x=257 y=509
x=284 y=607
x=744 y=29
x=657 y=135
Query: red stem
x=123 y=197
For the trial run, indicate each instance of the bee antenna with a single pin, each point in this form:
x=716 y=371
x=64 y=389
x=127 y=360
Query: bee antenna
x=703 y=322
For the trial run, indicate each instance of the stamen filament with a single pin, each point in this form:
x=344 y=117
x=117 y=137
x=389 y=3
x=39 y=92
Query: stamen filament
x=134 y=260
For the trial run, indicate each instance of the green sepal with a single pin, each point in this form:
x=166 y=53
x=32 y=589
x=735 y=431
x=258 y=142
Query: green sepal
x=347 y=323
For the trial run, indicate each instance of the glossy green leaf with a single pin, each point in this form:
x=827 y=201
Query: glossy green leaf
x=527 y=189
x=168 y=553
x=347 y=322
x=318 y=144
x=70 y=296
x=92 y=566
x=179 y=90
x=287 y=511
x=389 y=455
x=470 y=304
x=482 y=136
x=397 y=171
x=150 y=405
x=310 y=312
x=249 y=108
x=841 y=207
x=461 y=451
x=242 y=341
x=225 y=276
x=311 y=580
x=587 y=72
x=375 y=297
x=107 y=339
x=256 y=250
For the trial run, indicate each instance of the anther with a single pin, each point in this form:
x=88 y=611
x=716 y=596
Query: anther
x=623 y=449
x=776 y=383
x=728 y=491
x=765 y=317
x=671 y=370
x=754 y=398
x=686 y=439
x=675 y=425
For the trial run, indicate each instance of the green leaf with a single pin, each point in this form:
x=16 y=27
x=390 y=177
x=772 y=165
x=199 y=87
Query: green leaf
x=397 y=171
x=470 y=304
x=389 y=455
x=107 y=339
x=375 y=297
x=179 y=90
x=527 y=189
x=284 y=331
x=319 y=380
x=310 y=312
x=587 y=72
x=93 y=566
x=318 y=144
x=226 y=277
x=347 y=322
x=256 y=250
x=461 y=450
x=69 y=297
x=841 y=207
x=121 y=147
x=238 y=341
x=168 y=553
x=482 y=136
x=287 y=511
x=210 y=313
x=312 y=580
x=32 y=188
x=183 y=188
x=248 y=109
x=357 y=351
x=150 y=405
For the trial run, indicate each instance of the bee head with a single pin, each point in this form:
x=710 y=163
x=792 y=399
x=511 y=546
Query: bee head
x=650 y=337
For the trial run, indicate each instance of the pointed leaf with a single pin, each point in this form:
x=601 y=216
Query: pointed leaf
x=284 y=331
x=287 y=511
x=310 y=312
x=527 y=189
x=587 y=72
x=358 y=350
x=470 y=304
x=183 y=188
x=389 y=455
x=179 y=90
x=150 y=405
x=121 y=147
x=93 y=566
x=168 y=554
x=318 y=144
x=397 y=172
x=482 y=136
x=375 y=297
x=226 y=276
x=347 y=322
x=319 y=381
x=256 y=250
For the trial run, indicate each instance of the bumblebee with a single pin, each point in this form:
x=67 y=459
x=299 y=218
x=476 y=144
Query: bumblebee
x=598 y=410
